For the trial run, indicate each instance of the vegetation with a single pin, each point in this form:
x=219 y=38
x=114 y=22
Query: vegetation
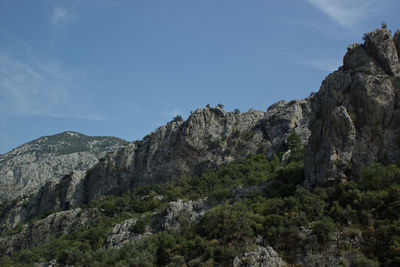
x=367 y=209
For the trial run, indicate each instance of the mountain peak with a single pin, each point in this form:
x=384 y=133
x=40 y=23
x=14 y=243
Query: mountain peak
x=355 y=115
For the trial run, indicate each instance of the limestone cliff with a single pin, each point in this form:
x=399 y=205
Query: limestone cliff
x=209 y=137
x=355 y=115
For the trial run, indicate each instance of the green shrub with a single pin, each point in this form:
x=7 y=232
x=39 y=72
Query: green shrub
x=323 y=229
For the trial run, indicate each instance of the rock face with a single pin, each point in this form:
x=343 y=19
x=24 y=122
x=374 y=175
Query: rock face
x=209 y=137
x=123 y=233
x=42 y=231
x=283 y=117
x=355 y=115
x=191 y=210
x=27 y=168
x=308 y=252
x=262 y=257
x=52 y=196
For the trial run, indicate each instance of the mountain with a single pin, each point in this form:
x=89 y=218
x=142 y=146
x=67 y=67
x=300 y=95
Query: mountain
x=28 y=167
x=208 y=138
x=312 y=182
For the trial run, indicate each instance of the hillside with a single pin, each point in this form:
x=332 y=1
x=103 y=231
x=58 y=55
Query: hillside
x=313 y=182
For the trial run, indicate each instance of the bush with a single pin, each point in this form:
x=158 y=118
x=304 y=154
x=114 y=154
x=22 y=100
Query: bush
x=379 y=177
x=323 y=229
x=362 y=261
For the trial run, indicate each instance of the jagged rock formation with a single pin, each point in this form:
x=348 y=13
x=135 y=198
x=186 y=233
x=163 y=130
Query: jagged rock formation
x=209 y=137
x=169 y=220
x=25 y=169
x=52 y=196
x=262 y=257
x=191 y=210
x=308 y=252
x=356 y=113
x=44 y=230
x=123 y=233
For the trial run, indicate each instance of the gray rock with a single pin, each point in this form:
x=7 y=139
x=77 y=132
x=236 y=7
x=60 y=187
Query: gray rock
x=261 y=257
x=52 y=196
x=44 y=230
x=282 y=118
x=355 y=115
x=26 y=169
x=52 y=263
x=209 y=137
x=191 y=210
x=396 y=40
x=123 y=233
x=308 y=252
x=167 y=220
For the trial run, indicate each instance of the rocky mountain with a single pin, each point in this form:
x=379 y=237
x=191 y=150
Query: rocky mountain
x=225 y=188
x=355 y=115
x=208 y=138
x=24 y=170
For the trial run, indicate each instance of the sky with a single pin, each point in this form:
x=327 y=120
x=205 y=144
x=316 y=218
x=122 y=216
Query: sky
x=125 y=67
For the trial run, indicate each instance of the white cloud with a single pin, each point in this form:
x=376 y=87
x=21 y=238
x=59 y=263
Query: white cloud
x=328 y=65
x=344 y=12
x=61 y=16
x=171 y=114
x=31 y=87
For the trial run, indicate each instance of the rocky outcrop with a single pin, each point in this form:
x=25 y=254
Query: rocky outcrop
x=282 y=118
x=123 y=233
x=170 y=219
x=209 y=137
x=52 y=196
x=190 y=210
x=261 y=257
x=27 y=168
x=356 y=113
x=44 y=230
x=309 y=252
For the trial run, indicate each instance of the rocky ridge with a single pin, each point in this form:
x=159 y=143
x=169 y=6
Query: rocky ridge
x=208 y=138
x=356 y=113
x=44 y=230
x=353 y=122
x=27 y=168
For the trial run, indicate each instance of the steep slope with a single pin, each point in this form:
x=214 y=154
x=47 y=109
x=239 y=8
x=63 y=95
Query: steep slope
x=208 y=138
x=356 y=113
x=25 y=169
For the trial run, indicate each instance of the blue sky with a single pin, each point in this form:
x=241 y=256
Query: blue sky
x=123 y=68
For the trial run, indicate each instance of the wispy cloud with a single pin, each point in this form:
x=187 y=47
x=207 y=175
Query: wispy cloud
x=344 y=12
x=32 y=86
x=171 y=114
x=328 y=64
x=61 y=16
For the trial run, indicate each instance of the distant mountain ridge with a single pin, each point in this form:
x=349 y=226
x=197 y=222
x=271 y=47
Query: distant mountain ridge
x=28 y=167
